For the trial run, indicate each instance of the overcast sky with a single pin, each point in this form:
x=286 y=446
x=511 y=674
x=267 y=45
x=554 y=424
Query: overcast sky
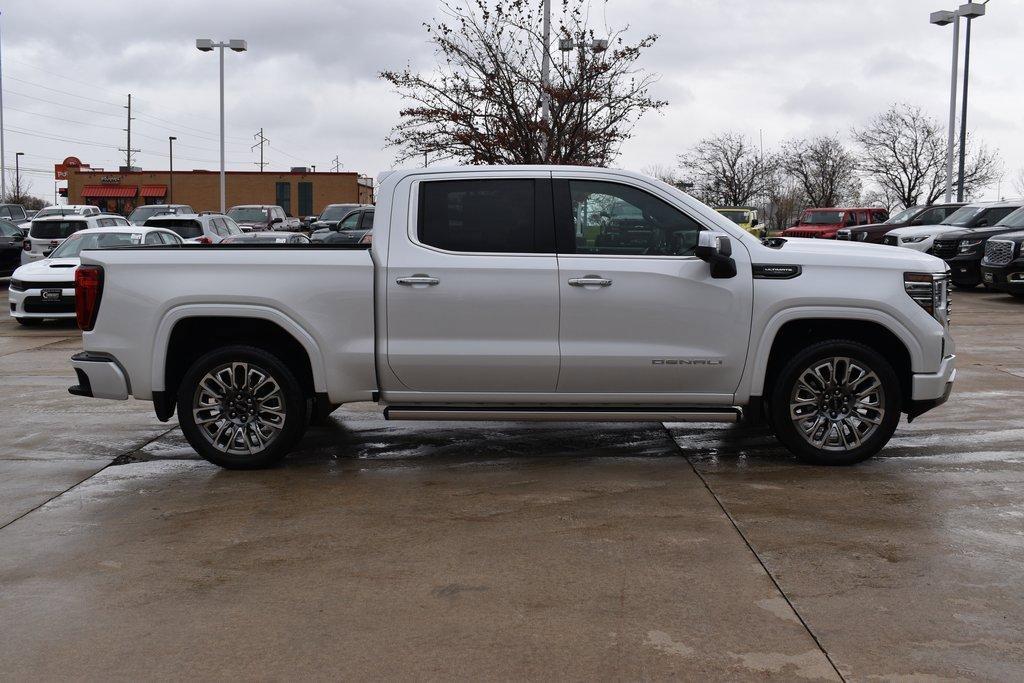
x=779 y=67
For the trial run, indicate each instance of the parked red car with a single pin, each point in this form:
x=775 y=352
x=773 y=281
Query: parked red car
x=824 y=223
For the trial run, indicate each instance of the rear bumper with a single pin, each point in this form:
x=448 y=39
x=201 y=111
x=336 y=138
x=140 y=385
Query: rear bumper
x=98 y=377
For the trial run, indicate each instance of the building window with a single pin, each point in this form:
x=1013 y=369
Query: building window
x=284 y=196
x=305 y=199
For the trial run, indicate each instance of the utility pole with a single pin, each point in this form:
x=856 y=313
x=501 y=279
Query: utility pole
x=170 y=172
x=337 y=164
x=261 y=140
x=128 y=149
x=3 y=159
x=545 y=83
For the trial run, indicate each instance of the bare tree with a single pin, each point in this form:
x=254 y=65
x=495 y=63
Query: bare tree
x=903 y=151
x=824 y=169
x=666 y=174
x=1018 y=182
x=728 y=170
x=481 y=103
x=19 y=192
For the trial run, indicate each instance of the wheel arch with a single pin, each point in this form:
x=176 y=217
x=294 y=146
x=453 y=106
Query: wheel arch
x=790 y=331
x=187 y=332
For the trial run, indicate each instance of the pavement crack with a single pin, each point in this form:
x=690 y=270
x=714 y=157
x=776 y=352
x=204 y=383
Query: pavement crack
x=113 y=462
x=757 y=556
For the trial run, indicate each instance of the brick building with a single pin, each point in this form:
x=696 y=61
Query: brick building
x=300 y=193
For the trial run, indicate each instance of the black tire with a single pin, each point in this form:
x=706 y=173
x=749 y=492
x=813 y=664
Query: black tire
x=854 y=445
x=30 y=322
x=256 y=410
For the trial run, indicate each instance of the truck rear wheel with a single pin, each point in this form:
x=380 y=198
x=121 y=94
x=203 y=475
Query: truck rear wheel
x=240 y=407
x=836 y=403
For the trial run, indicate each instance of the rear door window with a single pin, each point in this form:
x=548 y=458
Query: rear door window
x=185 y=228
x=367 y=221
x=52 y=230
x=480 y=216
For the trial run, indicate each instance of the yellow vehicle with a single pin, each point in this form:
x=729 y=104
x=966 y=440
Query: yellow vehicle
x=743 y=216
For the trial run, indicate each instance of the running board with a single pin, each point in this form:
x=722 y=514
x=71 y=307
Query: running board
x=730 y=414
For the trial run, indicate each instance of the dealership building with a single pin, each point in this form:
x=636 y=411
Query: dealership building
x=299 y=192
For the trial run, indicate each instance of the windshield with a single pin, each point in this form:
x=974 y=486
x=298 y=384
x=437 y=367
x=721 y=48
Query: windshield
x=51 y=230
x=337 y=212
x=248 y=214
x=963 y=215
x=144 y=213
x=1014 y=219
x=821 y=217
x=905 y=215
x=186 y=228
x=735 y=216
x=73 y=245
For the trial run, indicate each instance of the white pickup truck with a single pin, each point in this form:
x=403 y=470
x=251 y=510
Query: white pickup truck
x=522 y=293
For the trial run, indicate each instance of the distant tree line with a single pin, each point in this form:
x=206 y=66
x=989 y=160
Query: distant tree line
x=897 y=159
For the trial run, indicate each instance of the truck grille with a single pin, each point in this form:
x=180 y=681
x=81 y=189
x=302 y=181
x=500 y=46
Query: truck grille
x=945 y=249
x=998 y=252
x=891 y=240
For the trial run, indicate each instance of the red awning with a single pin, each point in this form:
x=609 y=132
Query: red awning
x=110 y=191
x=153 y=191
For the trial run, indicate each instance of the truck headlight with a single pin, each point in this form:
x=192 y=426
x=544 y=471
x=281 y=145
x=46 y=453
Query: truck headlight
x=931 y=292
x=914 y=238
x=968 y=246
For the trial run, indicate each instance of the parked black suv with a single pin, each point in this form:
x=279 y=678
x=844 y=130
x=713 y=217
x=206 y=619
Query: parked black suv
x=912 y=215
x=1002 y=267
x=964 y=249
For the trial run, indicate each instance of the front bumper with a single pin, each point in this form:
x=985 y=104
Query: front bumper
x=30 y=303
x=931 y=390
x=998 y=277
x=966 y=269
x=98 y=377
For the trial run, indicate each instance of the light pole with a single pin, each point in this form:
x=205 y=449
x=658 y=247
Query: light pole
x=207 y=45
x=17 y=173
x=170 y=172
x=545 y=83
x=597 y=46
x=941 y=19
x=971 y=10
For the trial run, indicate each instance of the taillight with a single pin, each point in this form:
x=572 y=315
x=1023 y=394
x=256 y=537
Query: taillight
x=88 y=289
x=27 y=246
x=204 y=240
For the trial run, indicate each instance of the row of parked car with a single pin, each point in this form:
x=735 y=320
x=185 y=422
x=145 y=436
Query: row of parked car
x=981 y=241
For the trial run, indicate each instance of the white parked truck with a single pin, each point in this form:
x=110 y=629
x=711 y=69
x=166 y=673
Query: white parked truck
x=522 y=293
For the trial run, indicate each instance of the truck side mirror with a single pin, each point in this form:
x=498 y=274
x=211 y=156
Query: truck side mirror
x=753 y=222
x=716 y=250
x=276 y=220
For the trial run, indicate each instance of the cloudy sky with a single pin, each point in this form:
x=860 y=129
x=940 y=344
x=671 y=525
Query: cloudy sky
x=777 y=68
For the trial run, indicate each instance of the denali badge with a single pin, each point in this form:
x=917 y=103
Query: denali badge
x=686 y=361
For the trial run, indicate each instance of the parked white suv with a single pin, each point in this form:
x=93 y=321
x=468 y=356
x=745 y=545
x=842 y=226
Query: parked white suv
x=197 y=228
x=46 y=233
x=64 y=209
x=523 y=293
x=46 y=288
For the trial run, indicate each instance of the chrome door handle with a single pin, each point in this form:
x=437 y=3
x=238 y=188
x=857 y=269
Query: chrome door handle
x=418 y=280
x=590 y=280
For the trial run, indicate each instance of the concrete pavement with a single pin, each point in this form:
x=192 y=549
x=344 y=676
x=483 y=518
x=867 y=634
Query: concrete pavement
x=509 y=550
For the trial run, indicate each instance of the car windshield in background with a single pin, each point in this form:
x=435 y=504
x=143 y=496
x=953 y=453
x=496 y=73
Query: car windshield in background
x=144 y=213
x=1013 y=220
x=53 y=230
x=74 y=245
x=904 y=216
x=336 y=213
x=248 y=214
x=822 y=217
x=736 y=216
x=963 y=215
x=186 y=228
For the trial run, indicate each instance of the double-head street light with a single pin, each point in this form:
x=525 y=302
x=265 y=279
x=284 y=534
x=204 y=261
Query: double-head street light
x=207 y=45
x=970 y=11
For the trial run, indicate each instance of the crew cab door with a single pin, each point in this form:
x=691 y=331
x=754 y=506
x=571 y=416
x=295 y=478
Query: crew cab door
x=640 y=314
x=472 y=286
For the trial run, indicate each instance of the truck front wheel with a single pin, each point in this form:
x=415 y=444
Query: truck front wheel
x=836 y=403
x=240 y=407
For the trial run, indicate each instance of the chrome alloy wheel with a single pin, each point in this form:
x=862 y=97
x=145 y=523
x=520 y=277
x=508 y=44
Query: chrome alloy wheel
x=837 y=404
x=239 y=408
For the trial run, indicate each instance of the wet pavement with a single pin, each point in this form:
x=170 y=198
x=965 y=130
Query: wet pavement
x=402 y=550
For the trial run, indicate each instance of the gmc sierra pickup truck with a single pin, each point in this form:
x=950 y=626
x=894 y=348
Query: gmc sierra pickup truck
x=522 y=293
